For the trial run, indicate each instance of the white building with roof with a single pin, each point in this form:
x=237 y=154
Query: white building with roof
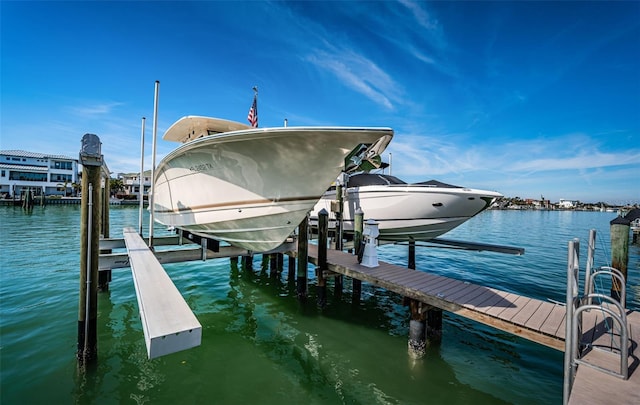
x=567 y=204
x=132 y=181
x=43 y=173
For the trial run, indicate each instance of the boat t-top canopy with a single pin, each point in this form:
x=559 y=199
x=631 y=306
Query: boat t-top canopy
x=193 y=127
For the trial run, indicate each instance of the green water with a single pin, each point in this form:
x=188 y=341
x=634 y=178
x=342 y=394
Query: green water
x=259 y=344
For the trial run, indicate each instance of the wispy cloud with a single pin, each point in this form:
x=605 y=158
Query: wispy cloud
x=426 y=21
x=358 y=73
x=584 y=161
x=94 y=109
x=567 y=166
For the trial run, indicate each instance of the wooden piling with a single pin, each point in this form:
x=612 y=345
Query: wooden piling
x=27 y=202
x=323 y=233
x=303 y=257
x=412 y=254
x=434 y=325
x=338 y=214
x=291 y=269
x=247 y=262
x=273 y=265
x=104 y=277
x=417 y=344
x=338 y=280
x=425 y=325
x=358 y=226
x=619 y=228
x=91 y=159
x=105 y=205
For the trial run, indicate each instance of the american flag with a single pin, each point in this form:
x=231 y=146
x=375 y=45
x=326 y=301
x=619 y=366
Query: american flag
x=253 y=113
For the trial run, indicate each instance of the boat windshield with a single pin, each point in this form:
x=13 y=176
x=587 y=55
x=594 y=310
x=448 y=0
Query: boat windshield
x=436 y=183
x=369 y=179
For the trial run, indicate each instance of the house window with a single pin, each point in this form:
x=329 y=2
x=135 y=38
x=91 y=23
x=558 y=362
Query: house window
x=27 y=176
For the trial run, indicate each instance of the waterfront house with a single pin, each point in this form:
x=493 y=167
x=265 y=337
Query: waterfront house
x=567 y=204
x=43 y=174
x=131 y=183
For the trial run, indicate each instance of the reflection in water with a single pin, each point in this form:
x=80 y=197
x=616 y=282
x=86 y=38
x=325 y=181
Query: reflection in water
x=260 y=345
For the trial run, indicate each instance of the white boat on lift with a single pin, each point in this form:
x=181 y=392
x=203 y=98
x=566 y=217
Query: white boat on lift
x=421 y=211
x=251 y=187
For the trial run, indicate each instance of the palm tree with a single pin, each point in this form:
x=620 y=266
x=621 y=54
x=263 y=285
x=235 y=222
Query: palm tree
x=116 y=185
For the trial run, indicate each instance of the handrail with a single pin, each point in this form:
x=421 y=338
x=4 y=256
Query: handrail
x=624 y=345
x=613 y=272
x=587 y=298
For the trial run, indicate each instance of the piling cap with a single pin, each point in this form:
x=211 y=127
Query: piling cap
x=633 y=214
x=620 y=221
x=90 y=150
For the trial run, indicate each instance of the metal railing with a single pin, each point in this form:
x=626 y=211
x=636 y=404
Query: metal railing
x=575 y=348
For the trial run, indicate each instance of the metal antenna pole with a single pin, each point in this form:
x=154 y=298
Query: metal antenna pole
x=141 y=178
x=153 y=161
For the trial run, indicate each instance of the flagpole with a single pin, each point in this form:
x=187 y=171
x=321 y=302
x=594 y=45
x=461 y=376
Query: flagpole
x=252 y=117
x=255 y=95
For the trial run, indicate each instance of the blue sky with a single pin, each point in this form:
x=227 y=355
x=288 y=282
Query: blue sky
x=525 y=98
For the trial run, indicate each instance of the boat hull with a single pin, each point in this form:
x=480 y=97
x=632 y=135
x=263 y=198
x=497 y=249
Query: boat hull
x=411 y=211
x=252 y=188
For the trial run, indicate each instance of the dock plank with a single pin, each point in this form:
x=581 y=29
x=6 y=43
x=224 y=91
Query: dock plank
x=536 y=320
x=554 y=320
x=504 y=302
x=516 y=306
x=463 y=291
x=527 y=311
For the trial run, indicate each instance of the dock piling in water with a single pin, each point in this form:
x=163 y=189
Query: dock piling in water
x=303 y=252
x=91 y=159
x=358 y=225
x=619 y=228
x=323 y=233
x=104 y=277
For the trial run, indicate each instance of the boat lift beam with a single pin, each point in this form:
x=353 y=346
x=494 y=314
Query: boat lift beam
x=511 y=250
x=168 y=323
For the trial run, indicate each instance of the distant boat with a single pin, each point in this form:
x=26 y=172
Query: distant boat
x=421 y=211
x=251 y=187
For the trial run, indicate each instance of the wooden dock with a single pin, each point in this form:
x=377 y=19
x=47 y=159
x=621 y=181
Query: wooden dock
x=539 y=321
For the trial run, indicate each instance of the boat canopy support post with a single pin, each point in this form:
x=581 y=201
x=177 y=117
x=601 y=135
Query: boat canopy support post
x=303 y=257
x=619 y=229
x=92 y=161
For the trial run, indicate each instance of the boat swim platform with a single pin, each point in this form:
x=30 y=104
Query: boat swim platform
x=539 y=321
